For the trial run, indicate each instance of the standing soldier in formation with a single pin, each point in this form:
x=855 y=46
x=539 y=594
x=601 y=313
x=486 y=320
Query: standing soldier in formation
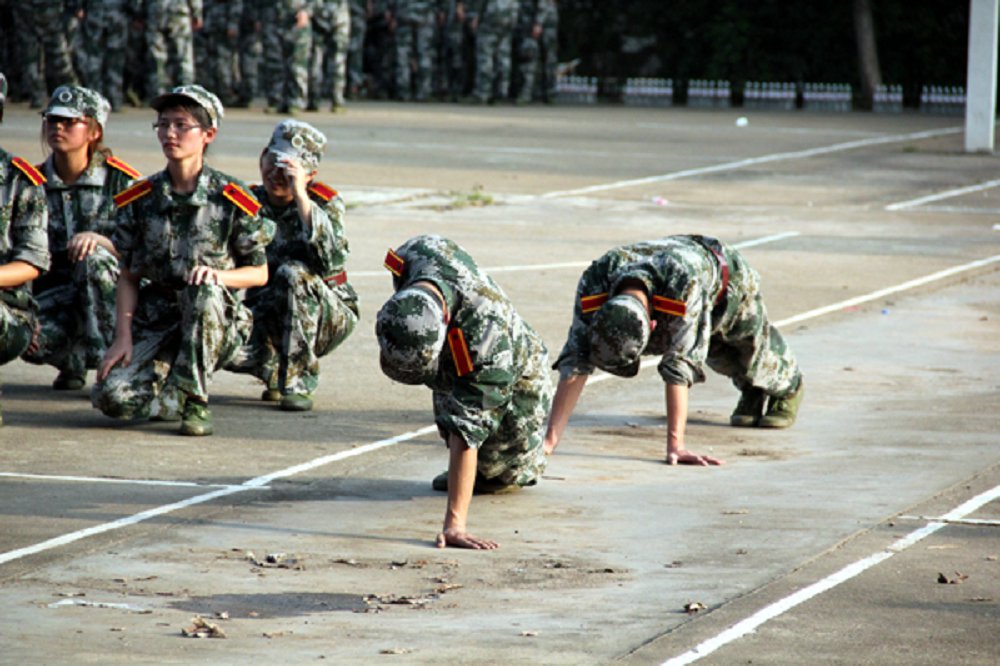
x=415 y=22
x=170 y=26
x=360 y=12
x=251 y=52
x=287 y=46
x=190 y=240
x=76 y=298
x=451 y=62
x=40 y=30
x=24 y=248
x=380 y=52
x=217 y=44
x=331 y=26
x=696 y=302
x=493 y=23
x=307 y=308
x=450 y=327
x=104 y=29
x=539 y=21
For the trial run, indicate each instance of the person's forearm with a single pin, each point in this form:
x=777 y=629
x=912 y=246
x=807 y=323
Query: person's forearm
x=677 y=410
x=244 y=277
x=17 y=273
x=568 y=393
x=462 y=460
x=126 y=300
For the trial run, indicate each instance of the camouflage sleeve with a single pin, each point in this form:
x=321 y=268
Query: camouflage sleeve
x=477 y=403
x=108 y=222
x=326 y=238
x=250 y=239
x=123 y=238
x=684 y=358
x=29 y=225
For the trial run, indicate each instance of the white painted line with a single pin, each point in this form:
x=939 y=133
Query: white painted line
x=99 y=479
x=583 y=264
x=947 y=194
x=964 y=521
x=753 y=161
x=100 y=604
x=253 y=484
x=772 y=611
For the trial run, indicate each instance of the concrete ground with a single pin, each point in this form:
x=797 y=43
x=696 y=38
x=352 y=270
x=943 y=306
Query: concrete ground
x=866 y=534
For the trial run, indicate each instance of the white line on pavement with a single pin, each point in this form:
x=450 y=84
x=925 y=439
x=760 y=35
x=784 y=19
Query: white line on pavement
x=947 y=194
x=261 y=481
x=772 y=611
x=753 y=161
x=99 y=479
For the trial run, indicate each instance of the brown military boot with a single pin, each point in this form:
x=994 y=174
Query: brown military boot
x=749 y=409
x=781 y=412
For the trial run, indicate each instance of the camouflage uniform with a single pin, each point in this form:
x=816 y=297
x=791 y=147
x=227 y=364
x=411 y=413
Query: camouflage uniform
x=380 y=49
x=497 y=19
x=170 y=41
x=216 y=45
x=331 y=27
x=491 y=386
x=181 y=333
x=40 y=30
x=697 y=325
x=76 y=301
x=450 y=65
x=23 y=218
x=537 y=57
x=356 y=46
x=251 y=51
x=416 y=21
x=286 y=55
x=103 y=41
x=307 y=308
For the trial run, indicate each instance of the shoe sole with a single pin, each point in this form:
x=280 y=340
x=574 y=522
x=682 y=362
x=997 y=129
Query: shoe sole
x=195 y=430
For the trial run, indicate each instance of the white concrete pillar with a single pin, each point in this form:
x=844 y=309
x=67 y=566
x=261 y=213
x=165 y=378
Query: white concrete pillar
x=981 y=84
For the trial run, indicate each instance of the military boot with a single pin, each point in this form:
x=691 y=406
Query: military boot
x=271 y=395
x=781 y=412
x=749 y=409
x=196 y=419
x=296 y=402
x=68 y=380
x=483 y=486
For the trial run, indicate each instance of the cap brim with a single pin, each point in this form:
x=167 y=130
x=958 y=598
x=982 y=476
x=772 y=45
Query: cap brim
x=630 y=370
x=63 y=112
x=170 y=99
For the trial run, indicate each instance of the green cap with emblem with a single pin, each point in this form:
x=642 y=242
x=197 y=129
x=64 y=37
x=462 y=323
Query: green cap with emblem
x=78 y=102
x=298 y=140
x=192 y=93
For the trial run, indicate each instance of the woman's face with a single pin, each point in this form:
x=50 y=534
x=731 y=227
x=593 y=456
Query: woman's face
x=69 y=135
x=278 y=187
x=180 y=135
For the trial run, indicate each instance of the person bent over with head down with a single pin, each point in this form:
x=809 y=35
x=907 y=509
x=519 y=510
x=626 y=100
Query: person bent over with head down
x=194 y=238
x=307 y=308
x=76 y=298
x=450 y=327
x=24 y=247
x=695 y=302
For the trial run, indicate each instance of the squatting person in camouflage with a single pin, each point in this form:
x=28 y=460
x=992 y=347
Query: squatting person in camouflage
x=193 y=237
x=307 y=308
x=696 y=302
x=24 y=248
x=76 y=298
x=450 y=327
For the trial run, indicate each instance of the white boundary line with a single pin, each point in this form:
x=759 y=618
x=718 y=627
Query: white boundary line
x=262 y=481
x=752 y=161
x=98 y=479
x=947 y=194
x=750 y=624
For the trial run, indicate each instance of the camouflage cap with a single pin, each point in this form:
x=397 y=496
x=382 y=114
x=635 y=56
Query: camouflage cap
x=411 y=332
x=192 y=93
x=78 y=102
x=619 y=334
x=298 y=140
x=3 y=93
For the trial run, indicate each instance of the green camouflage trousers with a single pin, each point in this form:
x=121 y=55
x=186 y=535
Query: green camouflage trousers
x=76 y=314
x=747 y=348
x=170 y=41
x=16 y=327
x=286 y=63
x=493 y=61
x=328 y=65
x=179 y=339
x=414 y=42
x=513 y=454
x=297 y=319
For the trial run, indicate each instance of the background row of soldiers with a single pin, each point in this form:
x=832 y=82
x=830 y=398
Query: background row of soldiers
x=296 y=53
